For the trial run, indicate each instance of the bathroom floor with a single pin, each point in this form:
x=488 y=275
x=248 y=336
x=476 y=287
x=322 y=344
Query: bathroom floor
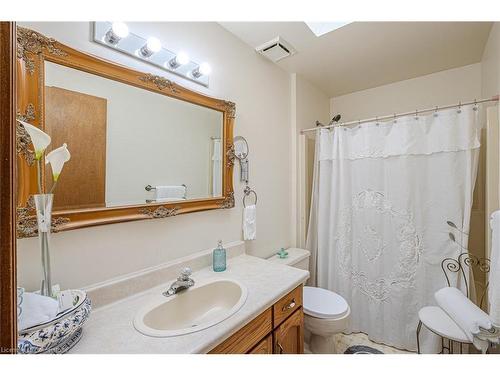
x=343 y=341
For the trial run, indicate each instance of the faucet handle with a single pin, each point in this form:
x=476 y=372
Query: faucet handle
x=185 y=273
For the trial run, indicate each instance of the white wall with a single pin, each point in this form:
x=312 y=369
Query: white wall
x=446 y=87
x=490 y=87
x=308 y=105
x=311 y=104
x=261 y=92
x=491 y=63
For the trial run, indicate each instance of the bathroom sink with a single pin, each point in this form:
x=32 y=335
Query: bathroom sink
x=191 y=310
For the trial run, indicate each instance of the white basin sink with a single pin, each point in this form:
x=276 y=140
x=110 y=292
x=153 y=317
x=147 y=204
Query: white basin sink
x=191 y=310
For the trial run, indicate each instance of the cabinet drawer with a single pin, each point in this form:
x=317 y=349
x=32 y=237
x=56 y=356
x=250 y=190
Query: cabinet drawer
x=264 y=347
x=247 y=337
x=287 y=305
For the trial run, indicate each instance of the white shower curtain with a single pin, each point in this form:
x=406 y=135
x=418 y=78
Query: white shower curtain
x=382 y=195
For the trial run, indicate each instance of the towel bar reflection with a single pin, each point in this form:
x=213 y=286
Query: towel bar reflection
x=149 y=187
x=247 y=192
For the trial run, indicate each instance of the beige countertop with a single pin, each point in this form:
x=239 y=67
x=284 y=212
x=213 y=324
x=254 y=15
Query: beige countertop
x=110 y=328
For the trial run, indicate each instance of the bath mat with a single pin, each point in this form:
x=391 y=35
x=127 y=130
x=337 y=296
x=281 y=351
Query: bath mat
x=362 y=349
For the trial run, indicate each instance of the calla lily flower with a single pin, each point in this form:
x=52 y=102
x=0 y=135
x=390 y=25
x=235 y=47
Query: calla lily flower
x=57 y=158
x=39 y=139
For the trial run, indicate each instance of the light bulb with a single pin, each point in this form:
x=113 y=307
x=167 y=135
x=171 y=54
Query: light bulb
x=118 y=31
x=205 y=69
x=181 y=58
x=152 y=46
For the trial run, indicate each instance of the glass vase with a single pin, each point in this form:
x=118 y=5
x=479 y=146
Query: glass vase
x=43 y=205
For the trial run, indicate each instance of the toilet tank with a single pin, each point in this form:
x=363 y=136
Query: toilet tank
x=298 y=258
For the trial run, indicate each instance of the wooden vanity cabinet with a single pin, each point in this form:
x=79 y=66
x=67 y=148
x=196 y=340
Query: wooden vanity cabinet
x=277 y=330
x=288 y=338
x=264 y=347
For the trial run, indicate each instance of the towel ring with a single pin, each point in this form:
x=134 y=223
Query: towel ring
x=247 y=192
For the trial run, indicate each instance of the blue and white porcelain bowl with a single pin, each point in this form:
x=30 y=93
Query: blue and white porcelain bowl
x=60 y=334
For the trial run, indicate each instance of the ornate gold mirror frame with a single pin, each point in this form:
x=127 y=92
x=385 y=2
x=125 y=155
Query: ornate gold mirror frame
x=33 y=49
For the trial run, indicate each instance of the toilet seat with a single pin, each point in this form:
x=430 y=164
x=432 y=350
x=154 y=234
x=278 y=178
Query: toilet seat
x=324 y=304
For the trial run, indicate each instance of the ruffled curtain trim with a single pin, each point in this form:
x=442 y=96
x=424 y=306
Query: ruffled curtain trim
x=445 y=131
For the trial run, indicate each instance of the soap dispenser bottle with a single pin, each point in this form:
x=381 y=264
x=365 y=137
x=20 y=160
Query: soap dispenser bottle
x=219 y=258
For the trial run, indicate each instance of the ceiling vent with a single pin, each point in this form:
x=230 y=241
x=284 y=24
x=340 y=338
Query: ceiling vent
x=276 y=49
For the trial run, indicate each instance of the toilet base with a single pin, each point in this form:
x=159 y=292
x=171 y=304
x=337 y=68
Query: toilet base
x=322 y=344
x=321 y=332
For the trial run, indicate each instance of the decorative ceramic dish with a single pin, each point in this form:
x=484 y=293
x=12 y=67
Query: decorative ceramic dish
x=60 y=334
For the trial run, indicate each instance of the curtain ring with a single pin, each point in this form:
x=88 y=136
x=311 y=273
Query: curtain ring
x=475 y=108
x=416 y=114
x=436 y=111
x=395 y=118
x=376 y=120
x=459 y=107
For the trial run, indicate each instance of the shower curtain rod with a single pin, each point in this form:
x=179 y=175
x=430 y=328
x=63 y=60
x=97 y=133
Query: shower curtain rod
x=396 y=115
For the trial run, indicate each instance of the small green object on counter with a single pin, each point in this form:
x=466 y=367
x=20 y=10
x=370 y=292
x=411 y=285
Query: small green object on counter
x=283 y=253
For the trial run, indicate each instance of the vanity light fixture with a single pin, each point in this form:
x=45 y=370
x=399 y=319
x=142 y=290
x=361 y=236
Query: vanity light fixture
x=182 y=58
x=149 y=50
x=203 y=70
x=152 y=46
x=118 y=31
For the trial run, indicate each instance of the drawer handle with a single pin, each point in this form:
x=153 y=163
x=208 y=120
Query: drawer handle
x=291 y=305
x=281 y=350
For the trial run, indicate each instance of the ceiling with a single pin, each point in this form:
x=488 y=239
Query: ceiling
x=362 y=55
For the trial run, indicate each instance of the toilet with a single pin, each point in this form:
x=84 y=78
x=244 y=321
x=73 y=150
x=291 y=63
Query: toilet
x=325 y=312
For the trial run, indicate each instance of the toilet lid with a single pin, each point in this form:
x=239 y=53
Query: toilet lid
x=324 y=304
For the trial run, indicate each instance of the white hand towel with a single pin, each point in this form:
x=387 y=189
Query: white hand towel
x=250 y=222
x=37 y=309
x=466 y=314
x=494 y=274
x=169 y=192
x=169 y=199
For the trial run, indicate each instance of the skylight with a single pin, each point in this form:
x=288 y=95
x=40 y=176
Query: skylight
x=322 y=28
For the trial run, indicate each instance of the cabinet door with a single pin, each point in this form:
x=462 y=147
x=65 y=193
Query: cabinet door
x=264 y=347
x=289 y=336
x=247 y=337
x=84 y=181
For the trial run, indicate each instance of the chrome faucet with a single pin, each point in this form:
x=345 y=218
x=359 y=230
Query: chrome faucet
x=182 y=282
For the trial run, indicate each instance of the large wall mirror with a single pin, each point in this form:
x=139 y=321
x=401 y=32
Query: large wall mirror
x=142 y=146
